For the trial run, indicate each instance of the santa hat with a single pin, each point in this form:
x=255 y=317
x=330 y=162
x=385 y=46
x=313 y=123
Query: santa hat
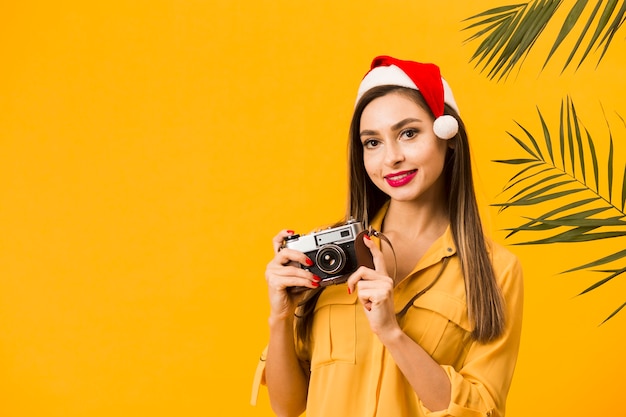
x=426 y=78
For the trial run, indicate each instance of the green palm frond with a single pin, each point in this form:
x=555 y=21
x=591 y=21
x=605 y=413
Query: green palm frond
x=564 y=170
x=509 y=33
x=613 y=313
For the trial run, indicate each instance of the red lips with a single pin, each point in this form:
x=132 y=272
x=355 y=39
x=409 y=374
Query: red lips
x=398 y=179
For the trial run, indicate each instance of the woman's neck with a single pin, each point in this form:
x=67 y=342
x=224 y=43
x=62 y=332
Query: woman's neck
x=410 y=219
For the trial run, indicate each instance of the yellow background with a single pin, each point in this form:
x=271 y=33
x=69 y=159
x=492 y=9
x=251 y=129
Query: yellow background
x=149 y=150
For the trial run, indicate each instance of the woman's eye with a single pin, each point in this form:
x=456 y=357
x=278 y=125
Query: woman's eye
x=409 y=133
x=370 y=143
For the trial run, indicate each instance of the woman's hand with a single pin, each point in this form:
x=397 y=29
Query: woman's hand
x=375 y=292
x=283 y=272
x=287 y=381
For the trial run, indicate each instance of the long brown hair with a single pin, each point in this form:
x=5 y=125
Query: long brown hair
x=484 y=300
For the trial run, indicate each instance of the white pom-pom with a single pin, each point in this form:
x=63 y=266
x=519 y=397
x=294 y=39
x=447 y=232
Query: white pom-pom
x=446 y=127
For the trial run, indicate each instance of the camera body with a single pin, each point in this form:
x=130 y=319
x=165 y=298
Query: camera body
x=332 y=250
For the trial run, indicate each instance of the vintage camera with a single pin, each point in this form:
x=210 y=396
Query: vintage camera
x=336 y=252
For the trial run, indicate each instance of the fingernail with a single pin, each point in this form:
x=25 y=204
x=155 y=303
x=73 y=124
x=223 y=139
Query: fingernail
x=316 y=278
x=291 y=232
x=315 y=284
x=367 y=236
x=349 y=291
x=309 y=262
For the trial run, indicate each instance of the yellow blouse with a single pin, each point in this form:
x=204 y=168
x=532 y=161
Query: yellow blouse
x=352 y=374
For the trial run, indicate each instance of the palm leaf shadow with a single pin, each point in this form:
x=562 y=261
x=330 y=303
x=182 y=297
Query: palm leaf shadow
x=563 y=170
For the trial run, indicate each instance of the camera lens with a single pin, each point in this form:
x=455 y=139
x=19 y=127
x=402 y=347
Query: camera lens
x=330 y=259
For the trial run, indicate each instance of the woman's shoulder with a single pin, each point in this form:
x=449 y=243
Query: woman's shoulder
x=499 y=253
x=506 y=265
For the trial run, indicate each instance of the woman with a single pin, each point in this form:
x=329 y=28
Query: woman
x=434 y=328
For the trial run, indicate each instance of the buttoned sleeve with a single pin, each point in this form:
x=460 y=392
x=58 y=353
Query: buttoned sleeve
x=480 y=386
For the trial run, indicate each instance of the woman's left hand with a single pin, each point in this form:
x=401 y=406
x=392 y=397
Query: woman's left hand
x=375 y=291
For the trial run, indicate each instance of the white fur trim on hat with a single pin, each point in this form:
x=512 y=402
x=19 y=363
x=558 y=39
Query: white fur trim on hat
x=390 y=75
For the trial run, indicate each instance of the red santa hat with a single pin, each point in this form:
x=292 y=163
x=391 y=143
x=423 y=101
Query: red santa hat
x=426 y=78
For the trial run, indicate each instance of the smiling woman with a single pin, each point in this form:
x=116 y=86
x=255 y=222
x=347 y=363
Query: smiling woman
x=150 y=149
x=434 y=325
x=409 y=142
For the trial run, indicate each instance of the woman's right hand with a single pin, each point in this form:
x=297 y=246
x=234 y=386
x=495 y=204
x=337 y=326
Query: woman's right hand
x=284 y=272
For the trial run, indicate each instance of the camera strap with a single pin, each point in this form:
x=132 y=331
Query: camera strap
x=408 y=305
x=376 y=233
x=373 y=232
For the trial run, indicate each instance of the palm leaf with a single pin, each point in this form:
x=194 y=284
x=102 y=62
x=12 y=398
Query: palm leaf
x=604 y=19
x=502 y=36
x=497 y=40
x=534 y=191
x=537 y=151
x=613 y=27
x=539 y=221
x=613 y=313
x=570 y=138
x=533 y=185
x=526 y=201
x=497 y=11
x=526 y=35
x=582 y=35
x=610 y=167
x=497 y=22
x=522 y=41
x=543 y=224
x=585 y=212
x=500 y=33
x=568 y=25
x=509 y=33
x=579 y=142
x=594 y=160
x=577 y=235
x=569 y=236
x=546 y=135
x=522 y=172
x=577 y=220
x=562 y=136
x=602 y=261
x=624 y=190
x=603 y=281
x=518 y=161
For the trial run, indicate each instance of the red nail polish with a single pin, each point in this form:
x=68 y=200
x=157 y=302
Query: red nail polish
x=315 y=284
x=316 y=278
x=349 y=291
x=291 y=232
x=309 y=262
x=367 y=236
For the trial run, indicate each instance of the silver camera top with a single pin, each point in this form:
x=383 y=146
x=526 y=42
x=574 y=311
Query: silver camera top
x=335 y=235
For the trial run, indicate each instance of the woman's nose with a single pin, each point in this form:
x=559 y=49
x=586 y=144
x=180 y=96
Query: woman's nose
x=394 y=154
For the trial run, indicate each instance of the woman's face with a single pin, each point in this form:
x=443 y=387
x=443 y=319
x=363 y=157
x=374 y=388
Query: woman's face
x=402 y=155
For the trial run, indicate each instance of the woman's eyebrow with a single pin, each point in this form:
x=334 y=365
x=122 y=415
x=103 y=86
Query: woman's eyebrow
x=368 y=133
x=404 y=122
x=396 y=126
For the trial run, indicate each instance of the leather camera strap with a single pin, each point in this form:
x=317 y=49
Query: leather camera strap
x=373 y=232
x=408 y=305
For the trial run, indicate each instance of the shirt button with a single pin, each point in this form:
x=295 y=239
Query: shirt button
x=489 y=413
